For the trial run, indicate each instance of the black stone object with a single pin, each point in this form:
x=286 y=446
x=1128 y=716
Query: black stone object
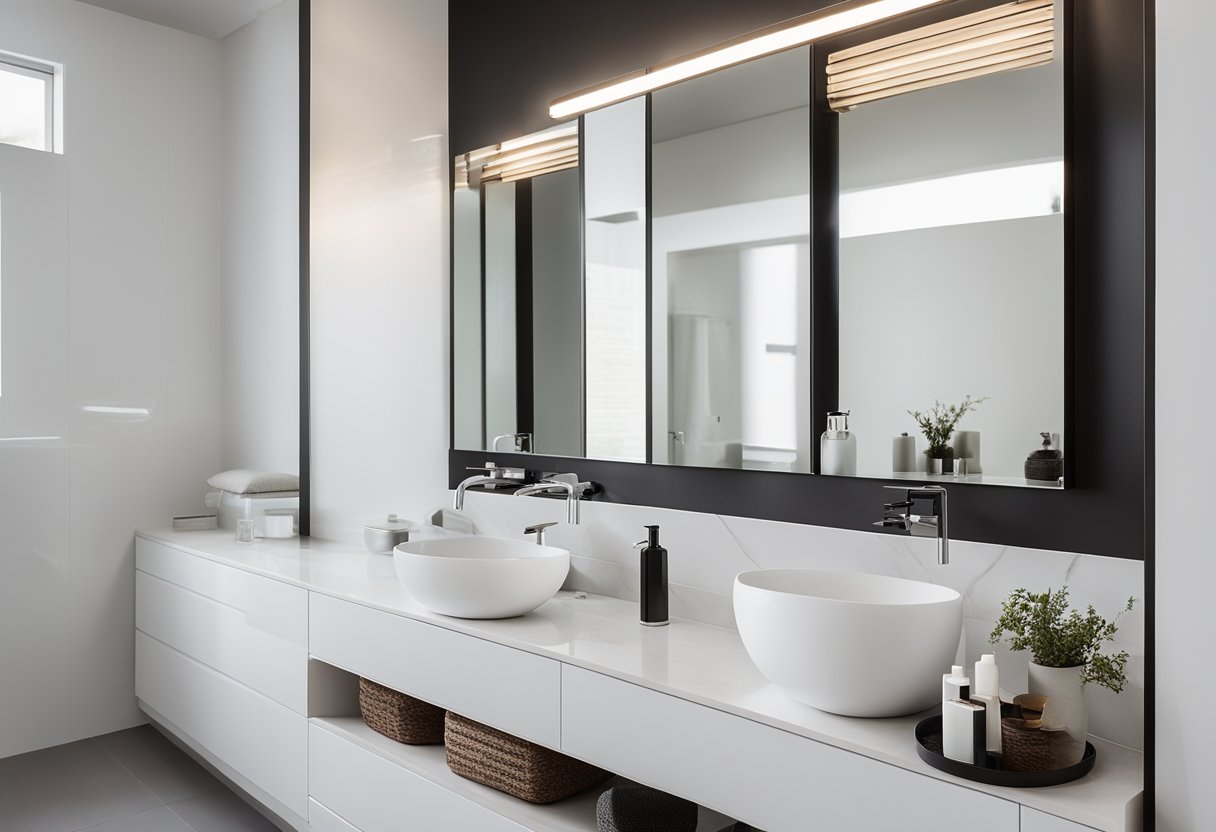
x=643 y=809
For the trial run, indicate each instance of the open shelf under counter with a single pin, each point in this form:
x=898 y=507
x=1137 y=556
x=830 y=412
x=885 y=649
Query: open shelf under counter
x=574 y=814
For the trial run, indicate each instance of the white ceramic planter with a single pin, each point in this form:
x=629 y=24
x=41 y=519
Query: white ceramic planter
x=1067 y=708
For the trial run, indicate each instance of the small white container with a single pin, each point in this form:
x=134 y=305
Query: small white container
x=955 y=685
x=964 y=731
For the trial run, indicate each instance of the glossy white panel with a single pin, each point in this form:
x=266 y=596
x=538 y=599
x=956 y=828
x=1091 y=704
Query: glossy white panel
x=34 y=546
x=120 y=313
x=1036 y=821
x=252 y=629
x=378 y=796
x=379 y=259
x=259 y=341
x=1185 y=402
x=512 y=690
x=765 y=781
x=321 y=819
x=258 y=738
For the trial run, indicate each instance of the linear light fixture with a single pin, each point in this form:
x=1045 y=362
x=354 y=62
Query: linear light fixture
x=796 y=32
x=1012 y=36
x=116 y=411
x=523 y=158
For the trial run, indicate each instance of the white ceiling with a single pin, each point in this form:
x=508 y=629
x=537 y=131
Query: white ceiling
x=209 y=18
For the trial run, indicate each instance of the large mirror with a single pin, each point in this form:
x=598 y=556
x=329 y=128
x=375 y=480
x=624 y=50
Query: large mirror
x=730 y=190
x=661 y=297
x=951 y=265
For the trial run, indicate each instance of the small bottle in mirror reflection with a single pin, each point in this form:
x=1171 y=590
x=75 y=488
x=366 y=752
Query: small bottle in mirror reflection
x=838 y=447
x=653 y=595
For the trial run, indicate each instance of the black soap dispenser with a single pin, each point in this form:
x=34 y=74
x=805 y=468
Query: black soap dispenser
x=654 y=580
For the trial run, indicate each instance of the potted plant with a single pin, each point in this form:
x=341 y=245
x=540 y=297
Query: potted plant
x=938 y=424
x=1066 y=655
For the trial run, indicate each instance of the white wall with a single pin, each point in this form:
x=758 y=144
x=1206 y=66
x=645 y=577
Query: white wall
x=109 y=261
x=260 y=289
x=1186 y=400
x=379 y=259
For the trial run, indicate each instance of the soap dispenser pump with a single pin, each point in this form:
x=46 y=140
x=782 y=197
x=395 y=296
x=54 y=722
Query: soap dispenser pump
x=838 y=446
x=654 y=580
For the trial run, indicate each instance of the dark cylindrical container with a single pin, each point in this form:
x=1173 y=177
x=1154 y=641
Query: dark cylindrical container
x=654 y=580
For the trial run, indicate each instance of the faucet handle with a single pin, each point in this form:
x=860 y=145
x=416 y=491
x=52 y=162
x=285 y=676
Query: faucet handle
x=538 y=529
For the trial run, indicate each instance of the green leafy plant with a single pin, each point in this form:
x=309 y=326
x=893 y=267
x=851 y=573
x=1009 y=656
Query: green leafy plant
x=938 y=424
x=1059 y=637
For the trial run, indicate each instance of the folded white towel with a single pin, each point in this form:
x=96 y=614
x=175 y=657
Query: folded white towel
x=242 y=481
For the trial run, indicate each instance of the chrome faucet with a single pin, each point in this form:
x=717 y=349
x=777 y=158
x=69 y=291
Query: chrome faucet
x=539 y=531
x=899 y=515
x=566 y=484
x=520 y=442
x=494 y=477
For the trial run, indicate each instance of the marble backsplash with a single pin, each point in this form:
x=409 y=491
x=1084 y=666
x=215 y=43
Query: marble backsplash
x=706 y=551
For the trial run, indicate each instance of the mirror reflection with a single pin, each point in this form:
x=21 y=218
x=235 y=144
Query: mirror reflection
x=730 y=189
x=951 y=273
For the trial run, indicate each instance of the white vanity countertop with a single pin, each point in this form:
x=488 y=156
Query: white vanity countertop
x=696 y=662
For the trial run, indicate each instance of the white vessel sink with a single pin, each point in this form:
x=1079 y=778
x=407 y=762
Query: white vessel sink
x=847 y=642
x=480 y=577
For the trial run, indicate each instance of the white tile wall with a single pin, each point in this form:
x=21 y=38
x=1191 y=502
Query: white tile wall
x=706 y=551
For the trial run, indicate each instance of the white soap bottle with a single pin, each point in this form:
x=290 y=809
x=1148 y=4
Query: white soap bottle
x=838 y=447
x=987 y=689
x=963 y=731
x=955 y=685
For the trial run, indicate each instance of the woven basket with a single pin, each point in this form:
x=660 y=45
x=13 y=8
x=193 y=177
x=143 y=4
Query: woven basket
x=1029 y=749
x=517 y=767
x=400 y=717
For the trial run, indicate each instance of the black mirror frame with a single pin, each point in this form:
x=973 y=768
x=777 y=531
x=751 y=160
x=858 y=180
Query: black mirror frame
x=1106 y=508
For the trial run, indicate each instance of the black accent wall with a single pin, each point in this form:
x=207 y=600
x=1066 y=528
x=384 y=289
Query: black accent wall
x=507 y=65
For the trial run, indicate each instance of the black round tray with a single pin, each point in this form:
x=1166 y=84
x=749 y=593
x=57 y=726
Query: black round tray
x=993 y=774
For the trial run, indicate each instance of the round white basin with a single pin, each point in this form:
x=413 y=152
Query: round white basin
x=480 y=577
x=847 y=642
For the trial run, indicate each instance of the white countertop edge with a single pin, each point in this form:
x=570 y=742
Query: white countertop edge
x=1104 y=813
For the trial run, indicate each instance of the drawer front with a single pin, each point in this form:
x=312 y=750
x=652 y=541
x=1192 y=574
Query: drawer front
x=260 y=739
x=245 y=626
x=375 y=795
x=512 y=690
x=1036 y=821
x=320 y=819
x=772 y=779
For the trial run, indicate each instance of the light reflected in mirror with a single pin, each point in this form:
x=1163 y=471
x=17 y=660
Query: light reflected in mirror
x=517 y=264
x=730 y=278
x=614 y=168
x=951 y=275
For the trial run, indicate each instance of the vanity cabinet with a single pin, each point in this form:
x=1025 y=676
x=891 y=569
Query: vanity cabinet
x=770 y=778
x=256 y=669
x=221 y=656
x=509 y=689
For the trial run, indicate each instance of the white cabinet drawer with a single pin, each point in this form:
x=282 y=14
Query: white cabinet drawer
x=772 y=779
x=376 y=795
x=512 y=690
x=321 y=819
x=1036 y=821
x=260 y=739
x=245 y=626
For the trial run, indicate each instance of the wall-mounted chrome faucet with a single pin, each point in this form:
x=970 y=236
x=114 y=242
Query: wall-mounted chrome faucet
x=520 y=442
x=899 y=516
x=494 y=477
x=565 y=484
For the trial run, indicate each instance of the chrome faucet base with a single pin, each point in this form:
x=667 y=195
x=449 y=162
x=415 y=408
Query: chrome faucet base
x=920 y=525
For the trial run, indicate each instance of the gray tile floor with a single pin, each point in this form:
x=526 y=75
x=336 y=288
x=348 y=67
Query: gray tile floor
x=129 y=781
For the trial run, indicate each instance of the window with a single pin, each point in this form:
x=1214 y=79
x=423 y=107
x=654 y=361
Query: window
x=27 y=103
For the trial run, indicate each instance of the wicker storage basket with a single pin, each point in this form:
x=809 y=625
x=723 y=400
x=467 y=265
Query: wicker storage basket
x=517 y=767
x=400 y=717
x=1026 y=748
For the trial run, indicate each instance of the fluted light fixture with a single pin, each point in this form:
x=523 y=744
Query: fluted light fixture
x=532 y=155
x=1013 y=36
x=791 y=33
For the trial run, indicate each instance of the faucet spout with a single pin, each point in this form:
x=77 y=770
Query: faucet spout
x=933 y=524
x=554 y=486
